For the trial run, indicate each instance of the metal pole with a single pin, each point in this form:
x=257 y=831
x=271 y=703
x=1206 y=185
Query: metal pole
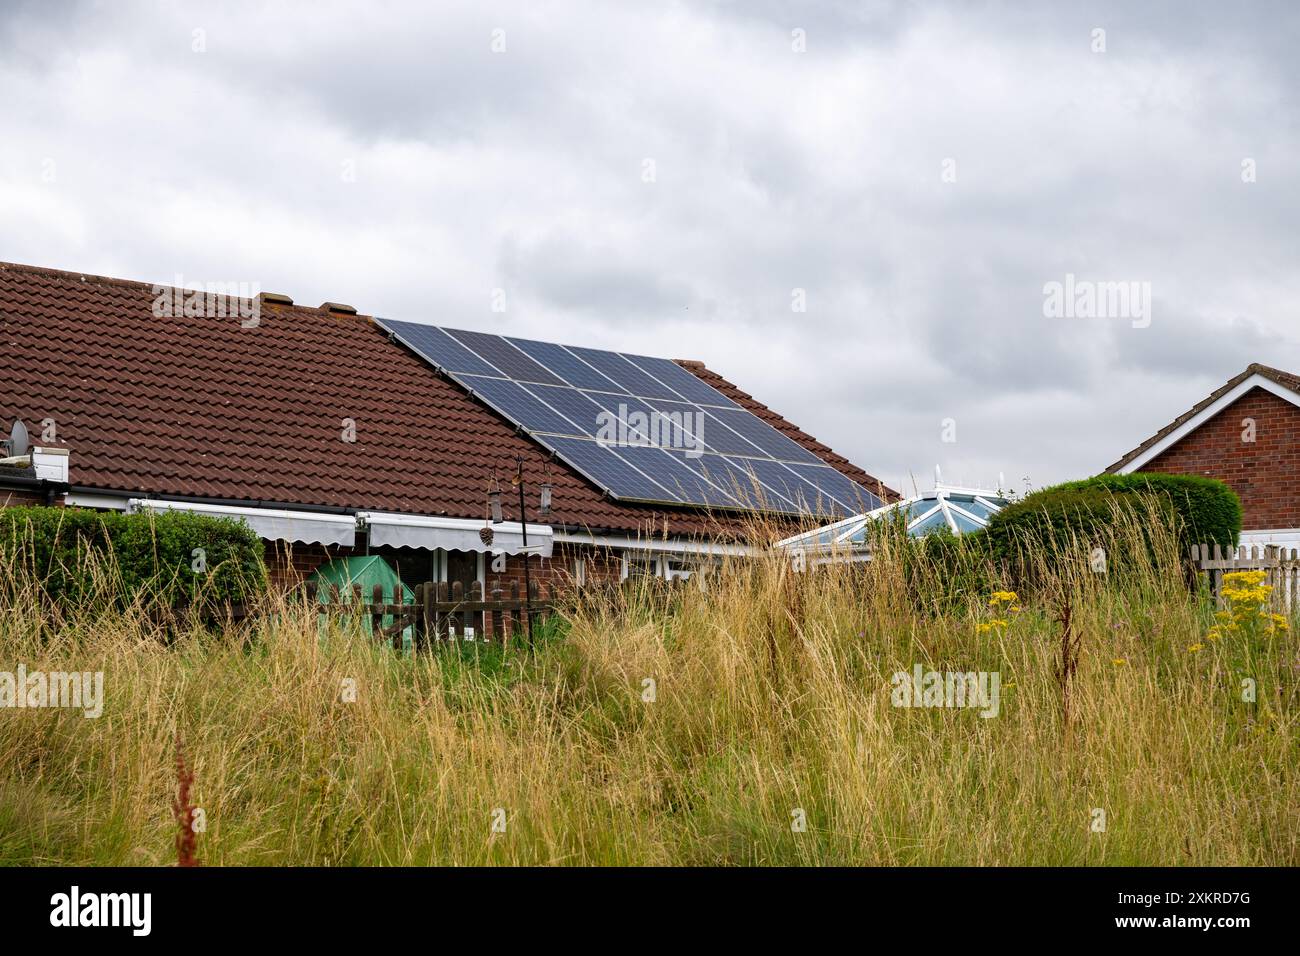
x=523 y=529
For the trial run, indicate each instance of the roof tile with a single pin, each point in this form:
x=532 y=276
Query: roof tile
x=203 y=407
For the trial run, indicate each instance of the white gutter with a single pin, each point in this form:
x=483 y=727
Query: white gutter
x=269 y=523
x=453 y=534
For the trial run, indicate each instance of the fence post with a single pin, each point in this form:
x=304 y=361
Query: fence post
x=424 y=615
x=377 y=612
x=400 y=617
x=516 y=614
x=441 y=617
x=498 y=619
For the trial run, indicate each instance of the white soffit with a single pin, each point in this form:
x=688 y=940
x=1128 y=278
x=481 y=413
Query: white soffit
x=454 y=534
x=1205 y=414
x=274 y=525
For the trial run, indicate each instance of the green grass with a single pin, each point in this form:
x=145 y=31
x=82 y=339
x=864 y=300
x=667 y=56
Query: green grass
x=772 y=697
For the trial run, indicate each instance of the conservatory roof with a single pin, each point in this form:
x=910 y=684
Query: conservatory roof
x=960 y=510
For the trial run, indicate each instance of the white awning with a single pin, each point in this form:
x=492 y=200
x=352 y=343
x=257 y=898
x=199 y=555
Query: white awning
x=652 y=544
x=308 y=527
x=454 y=534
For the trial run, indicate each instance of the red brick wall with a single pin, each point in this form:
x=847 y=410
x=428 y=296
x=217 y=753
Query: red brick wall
x=15 y=498
x=1264 y=473
x=557 y=571
x=288 y=564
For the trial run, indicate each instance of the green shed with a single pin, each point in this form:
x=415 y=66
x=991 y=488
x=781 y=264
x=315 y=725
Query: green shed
x=366 y=571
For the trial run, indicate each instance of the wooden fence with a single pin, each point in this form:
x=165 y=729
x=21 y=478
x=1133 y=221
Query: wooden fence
x=440 y=612
x=1281 y=569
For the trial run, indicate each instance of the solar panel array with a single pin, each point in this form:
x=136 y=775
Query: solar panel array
x=642 y=429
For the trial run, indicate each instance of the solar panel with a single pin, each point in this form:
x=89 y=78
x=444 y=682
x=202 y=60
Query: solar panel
x=743 y=485
x=760 y=433
x=640 y=428
x=715 y=436
x=615 y=367
x=675 y=473
x=806 y=497
x=565 y=365
x=849 y=493
x=635 y=414
x=438 y=347
x=499 y=353
x=610 y=472
x=516 y=404
x=681 y=381
x=585 y=414
x=677 y=424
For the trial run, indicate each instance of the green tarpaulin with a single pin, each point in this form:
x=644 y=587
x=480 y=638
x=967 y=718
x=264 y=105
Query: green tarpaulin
x=365 y=571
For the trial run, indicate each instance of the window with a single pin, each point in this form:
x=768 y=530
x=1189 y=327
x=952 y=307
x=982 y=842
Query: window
x=640 y=566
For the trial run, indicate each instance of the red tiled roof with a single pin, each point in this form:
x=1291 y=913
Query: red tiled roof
x=204 y=408
x=1285 y=379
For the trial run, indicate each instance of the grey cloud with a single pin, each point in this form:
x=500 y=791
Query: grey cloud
x=775 y=170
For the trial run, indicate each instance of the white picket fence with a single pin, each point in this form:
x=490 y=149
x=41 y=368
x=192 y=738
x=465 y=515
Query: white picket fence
x=1281 y=568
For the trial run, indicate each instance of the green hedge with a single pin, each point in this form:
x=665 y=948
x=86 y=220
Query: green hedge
x=1204 y=509
x=942 y=571
x=64 y=548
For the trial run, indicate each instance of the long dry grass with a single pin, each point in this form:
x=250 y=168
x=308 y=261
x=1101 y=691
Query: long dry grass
x=771 y=705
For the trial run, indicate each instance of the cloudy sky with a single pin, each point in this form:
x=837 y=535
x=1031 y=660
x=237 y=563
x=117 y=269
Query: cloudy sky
x=679 y=179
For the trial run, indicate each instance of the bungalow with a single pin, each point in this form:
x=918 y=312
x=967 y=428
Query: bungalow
x=334 y=433
x=1246 y=433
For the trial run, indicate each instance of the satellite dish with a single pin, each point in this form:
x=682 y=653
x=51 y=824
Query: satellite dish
x=18 y=439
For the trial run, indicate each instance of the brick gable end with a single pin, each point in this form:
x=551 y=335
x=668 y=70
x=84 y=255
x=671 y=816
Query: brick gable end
x=1264 y=473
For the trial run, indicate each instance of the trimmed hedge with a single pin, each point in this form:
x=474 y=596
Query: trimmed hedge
x=1204 y=509
x=152 y=552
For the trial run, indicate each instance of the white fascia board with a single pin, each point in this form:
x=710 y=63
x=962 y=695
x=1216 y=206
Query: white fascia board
x=273 y=524
x=99 y=502
x=1224 y=401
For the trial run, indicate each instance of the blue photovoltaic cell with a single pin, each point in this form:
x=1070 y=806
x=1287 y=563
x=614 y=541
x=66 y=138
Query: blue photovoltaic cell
x=762 y=434
x=674 y=474
x=678 y=425
x=623 y=407
x=585 y=414
x=607 y=470
x=849 y=493
x=497 y=351
x=614 y=366
x=681 y=381
x=807 y=497
x=743 y=485
x=567 y=366
x=716 y=437
x=517 y=405
x=437 y=347
x=535 y=385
